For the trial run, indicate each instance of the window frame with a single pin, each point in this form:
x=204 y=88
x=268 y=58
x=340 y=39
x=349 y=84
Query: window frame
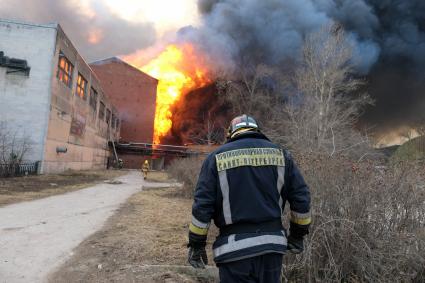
x=81 y=89
x=65 y=73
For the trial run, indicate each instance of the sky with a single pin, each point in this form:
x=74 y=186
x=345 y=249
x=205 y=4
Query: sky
x=104 y=28
x=167 y=15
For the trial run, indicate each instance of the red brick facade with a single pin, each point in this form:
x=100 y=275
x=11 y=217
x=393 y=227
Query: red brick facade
x=133 y=93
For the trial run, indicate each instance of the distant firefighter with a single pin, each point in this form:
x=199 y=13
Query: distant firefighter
x=145 y=169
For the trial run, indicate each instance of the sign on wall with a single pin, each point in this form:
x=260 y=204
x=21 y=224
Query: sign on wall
x=78 y=125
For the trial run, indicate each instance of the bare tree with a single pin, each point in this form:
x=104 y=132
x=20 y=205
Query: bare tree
x=212 y=132
x=14 y=145
x=253 y=93
x=325 y=103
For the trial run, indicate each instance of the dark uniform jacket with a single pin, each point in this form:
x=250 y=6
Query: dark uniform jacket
x=243 y=186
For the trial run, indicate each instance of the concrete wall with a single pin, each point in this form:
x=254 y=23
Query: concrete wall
x=88 y=149
x=25 y=100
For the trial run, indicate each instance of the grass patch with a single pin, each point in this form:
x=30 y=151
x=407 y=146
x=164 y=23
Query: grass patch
x=144 y=242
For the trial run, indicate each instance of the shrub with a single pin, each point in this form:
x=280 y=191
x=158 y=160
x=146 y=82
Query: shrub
x=367 y=225
x=186 y=171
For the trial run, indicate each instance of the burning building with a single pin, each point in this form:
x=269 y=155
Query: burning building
x=386 y=37
x=134 y=94
x=50 y=94
x=180 y=69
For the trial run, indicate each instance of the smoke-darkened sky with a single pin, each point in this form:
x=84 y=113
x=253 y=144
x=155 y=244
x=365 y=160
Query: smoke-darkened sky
x=388 y=37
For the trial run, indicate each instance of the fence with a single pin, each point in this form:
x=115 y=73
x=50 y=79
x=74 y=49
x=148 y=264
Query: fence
x=15 y=170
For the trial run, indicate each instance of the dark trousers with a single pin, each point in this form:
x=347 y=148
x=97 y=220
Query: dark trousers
x=265 y=268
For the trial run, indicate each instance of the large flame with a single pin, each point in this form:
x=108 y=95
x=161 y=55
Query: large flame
x=179 y=69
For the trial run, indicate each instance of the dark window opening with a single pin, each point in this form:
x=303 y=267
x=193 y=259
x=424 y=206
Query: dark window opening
x=81 y=87
x=101 y=111
x=113 y=121
x=65 y=69
x=93 y=99
x=108 y=116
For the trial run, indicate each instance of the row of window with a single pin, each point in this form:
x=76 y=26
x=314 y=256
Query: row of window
x=65 y=70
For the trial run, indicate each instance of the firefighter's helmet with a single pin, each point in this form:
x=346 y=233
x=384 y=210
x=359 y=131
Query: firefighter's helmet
x=242 y=124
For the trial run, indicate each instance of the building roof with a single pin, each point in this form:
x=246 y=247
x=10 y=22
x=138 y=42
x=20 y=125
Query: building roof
x=119 y=61
x=18 y=22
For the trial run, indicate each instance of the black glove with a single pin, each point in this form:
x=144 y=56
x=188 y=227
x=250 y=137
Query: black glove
x=197 y=256
x=295 y=244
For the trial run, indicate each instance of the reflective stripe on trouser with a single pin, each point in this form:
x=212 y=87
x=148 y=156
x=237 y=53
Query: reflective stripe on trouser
x=224 y=186
x=232 y=245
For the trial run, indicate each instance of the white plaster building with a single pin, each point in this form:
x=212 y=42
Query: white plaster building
x=48 y=92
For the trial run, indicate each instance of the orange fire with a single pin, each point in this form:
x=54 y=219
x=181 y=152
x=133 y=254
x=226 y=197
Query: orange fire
x=179 y=69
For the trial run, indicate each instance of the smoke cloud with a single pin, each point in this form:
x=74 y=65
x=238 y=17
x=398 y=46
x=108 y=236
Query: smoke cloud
x=95 y=30
x=388 y=38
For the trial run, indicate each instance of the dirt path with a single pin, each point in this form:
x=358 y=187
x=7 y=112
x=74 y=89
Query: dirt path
x=38 y=236
x=144 y=241
x=19 y=189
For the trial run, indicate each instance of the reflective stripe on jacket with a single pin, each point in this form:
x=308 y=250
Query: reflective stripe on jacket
x=248 y=180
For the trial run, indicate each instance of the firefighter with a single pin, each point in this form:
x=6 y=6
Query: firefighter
x=145 y=169
x=243 y=186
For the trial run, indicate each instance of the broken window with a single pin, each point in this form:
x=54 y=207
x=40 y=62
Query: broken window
x=101 y=111
x=93 y=99
x=108 y=116
x=81 y=87
x=65 y=69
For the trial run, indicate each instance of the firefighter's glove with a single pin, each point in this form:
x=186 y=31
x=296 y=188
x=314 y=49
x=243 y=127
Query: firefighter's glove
x=197 y=256
x=295 y=244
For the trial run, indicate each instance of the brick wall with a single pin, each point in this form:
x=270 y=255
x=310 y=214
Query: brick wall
x=133 y=93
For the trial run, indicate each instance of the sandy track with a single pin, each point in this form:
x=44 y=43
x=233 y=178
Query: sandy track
x=38 y=236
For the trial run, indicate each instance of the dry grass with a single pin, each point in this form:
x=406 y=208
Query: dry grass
x=18 y=189
x=368 y=226
x=158 y=176
x=368 y=222
x=186 y=171
x=144 y=242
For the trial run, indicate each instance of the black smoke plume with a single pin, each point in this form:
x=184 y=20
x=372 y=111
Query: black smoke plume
x=388 y=38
